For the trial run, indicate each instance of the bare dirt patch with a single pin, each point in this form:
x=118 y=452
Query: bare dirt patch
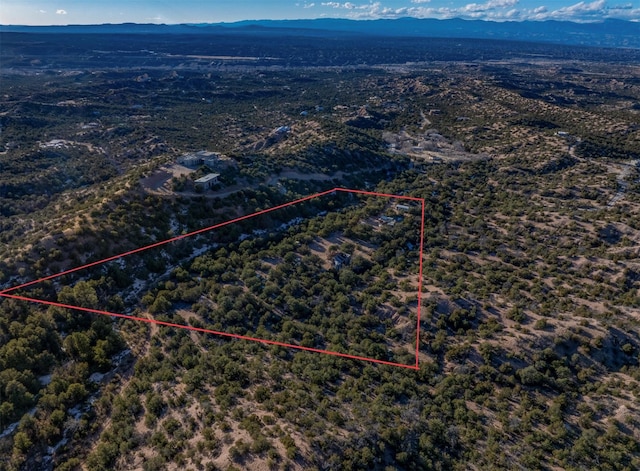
x=160 y=180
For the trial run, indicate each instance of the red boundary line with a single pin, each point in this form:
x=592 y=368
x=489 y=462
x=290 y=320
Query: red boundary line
x=4 y=292
x=207 y=331
x=418 y=309
x=164 y=242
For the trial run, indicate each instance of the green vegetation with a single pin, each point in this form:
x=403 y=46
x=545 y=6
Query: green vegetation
x=529 y=346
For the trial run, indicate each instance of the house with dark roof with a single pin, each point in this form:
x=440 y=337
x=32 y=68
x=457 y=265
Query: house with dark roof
x=341 y=260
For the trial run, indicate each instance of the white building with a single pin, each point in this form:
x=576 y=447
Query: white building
x=207 y=182
x=196 y=159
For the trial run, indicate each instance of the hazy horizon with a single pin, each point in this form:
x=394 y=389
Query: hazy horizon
x=77 y=12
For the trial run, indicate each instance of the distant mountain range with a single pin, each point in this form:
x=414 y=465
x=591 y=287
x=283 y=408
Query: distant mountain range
x=608 y=33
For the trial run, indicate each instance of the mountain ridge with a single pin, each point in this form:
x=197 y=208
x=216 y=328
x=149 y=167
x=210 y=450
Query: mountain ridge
x=608 y=33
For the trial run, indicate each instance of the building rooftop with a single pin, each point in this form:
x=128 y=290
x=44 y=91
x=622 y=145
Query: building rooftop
x=207 y=178
x=206 y=153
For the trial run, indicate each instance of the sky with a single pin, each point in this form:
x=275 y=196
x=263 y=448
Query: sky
x=61 y=12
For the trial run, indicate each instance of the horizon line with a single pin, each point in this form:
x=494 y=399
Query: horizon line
x=353 y=20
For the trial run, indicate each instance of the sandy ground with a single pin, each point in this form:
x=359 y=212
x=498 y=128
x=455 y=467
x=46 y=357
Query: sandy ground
x=160 y=181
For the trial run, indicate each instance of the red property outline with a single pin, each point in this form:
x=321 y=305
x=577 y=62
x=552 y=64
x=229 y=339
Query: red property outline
x=4 y=293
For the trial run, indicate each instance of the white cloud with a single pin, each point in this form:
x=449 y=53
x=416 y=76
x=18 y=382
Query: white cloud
x=582 y=8
x=501 y=3
x=580 y=11
x=61 y=12
x=496 y=10
x=349 y=5
x=366 y=10
x=583 y=12
x=490 y=5
x=309 y=5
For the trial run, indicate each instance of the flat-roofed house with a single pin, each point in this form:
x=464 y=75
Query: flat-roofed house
x=207 y=182
x=190 y=160
x=202 y=157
